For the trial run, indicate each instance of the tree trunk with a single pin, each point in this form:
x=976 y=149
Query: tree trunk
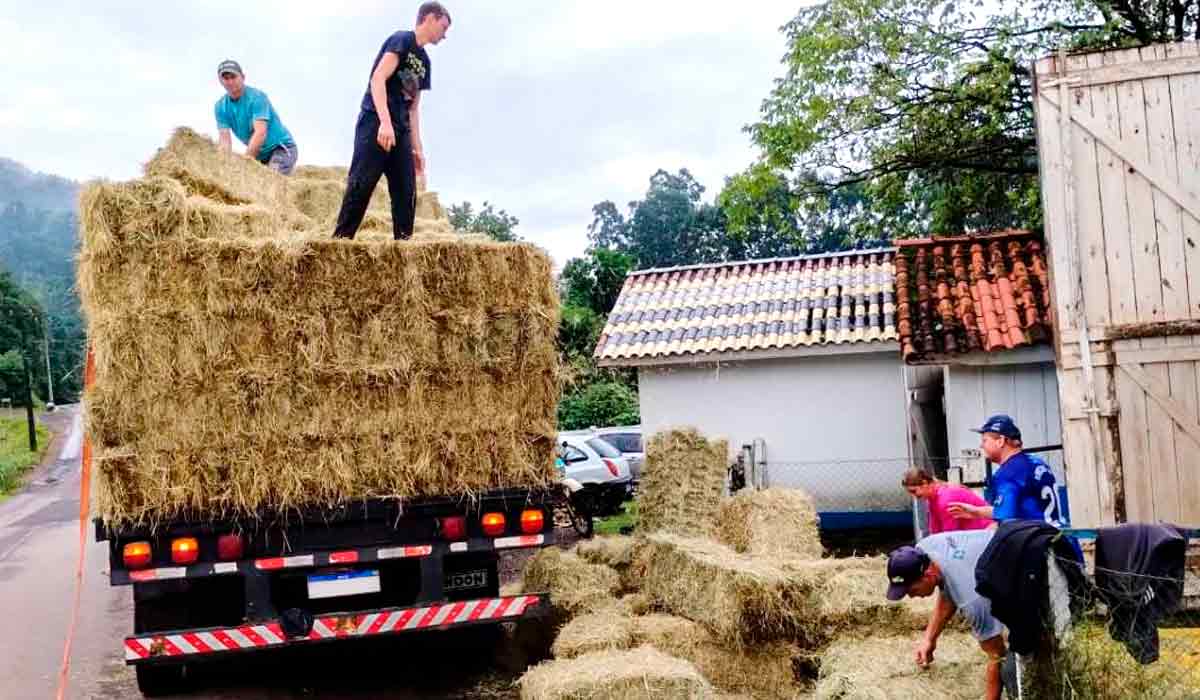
x=29 y=409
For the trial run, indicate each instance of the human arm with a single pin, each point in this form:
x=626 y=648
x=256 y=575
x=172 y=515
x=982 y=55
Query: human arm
x=965 y=511
x=943 y=610
x=387 y=66
x=257 y=139
x=225 y=140
x=995 y=650
x=414 y=121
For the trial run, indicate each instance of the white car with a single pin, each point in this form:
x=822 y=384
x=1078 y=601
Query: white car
x=628 y=440
x=598 y=468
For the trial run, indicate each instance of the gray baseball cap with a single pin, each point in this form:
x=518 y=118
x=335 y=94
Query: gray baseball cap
x=229 y=66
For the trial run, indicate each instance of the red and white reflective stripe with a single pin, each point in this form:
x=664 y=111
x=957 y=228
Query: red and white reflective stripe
x=284 y=562
x=343 y=557
x=521 y=541
x=327 y=627
x=405 y=552
x=158 y=574
x=190 y=643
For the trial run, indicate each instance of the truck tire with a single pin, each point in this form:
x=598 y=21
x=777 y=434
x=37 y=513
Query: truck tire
x=157 y=681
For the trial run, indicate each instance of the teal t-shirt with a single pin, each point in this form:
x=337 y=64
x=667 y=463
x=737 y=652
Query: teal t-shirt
x=239 y=116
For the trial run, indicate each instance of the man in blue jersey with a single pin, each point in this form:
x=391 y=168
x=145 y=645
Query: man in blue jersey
x=247 y=113
x=1024 y=488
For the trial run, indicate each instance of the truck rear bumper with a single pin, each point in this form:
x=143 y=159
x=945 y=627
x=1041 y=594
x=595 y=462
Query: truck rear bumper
x=182 y=645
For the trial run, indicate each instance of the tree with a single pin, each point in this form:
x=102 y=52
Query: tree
x=927 y=104
x=595 y=280
x=499 y=225
x=21 y=326
x=600 y=404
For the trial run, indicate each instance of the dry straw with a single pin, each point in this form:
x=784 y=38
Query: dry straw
x=574 y=585
x=682 y=482
x=247 y=364
x=617 y=551
x=884 y=668
x=644 y=672
x=774 y=522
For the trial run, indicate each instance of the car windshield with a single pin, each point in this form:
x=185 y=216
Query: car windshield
x=602 y=448
x=625 y=442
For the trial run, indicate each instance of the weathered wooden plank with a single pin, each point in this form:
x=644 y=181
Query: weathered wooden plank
x=1138 y=485
x=1058 y=242
x=1093 y=264
x=1143 y=70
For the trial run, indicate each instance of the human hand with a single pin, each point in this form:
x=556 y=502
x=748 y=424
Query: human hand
x=418 y=161
x=962 y=511
x=386 y=137
x=924 y=653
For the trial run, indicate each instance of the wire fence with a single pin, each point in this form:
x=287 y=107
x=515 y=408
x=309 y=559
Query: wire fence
x=844 y=485
x=1121 y=635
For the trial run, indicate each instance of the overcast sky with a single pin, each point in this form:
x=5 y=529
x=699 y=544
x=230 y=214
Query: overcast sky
x=543 y=108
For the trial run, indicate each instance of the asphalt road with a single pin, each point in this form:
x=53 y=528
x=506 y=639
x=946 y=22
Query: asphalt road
x=39 y=540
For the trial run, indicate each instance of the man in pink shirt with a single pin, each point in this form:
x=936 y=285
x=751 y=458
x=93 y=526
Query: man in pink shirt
x=939 y=495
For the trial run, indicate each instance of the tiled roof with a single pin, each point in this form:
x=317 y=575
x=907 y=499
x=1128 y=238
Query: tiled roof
x=748 y=306
x=983 y=293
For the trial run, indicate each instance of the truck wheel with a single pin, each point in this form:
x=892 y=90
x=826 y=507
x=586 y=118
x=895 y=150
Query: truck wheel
x=157 y=681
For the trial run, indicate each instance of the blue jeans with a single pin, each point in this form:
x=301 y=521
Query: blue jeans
x=283 y=158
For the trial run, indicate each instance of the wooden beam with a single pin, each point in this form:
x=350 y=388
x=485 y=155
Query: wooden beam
x=1161 y=394
x=1121 y=72
x=1166 y=184
x=1154 y=329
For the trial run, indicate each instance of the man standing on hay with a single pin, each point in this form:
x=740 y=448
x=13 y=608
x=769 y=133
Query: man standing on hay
x=248 y=113
x=945 y=564
x=387 y=138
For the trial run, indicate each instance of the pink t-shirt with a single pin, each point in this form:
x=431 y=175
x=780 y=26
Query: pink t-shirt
x=940 y=519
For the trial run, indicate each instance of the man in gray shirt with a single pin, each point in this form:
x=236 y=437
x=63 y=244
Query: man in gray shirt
x=945 y=564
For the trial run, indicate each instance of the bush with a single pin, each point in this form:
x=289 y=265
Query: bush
x=600 y=404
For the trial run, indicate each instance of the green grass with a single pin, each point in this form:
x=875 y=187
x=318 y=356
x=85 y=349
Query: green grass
x=15 y=457
x=613 y=525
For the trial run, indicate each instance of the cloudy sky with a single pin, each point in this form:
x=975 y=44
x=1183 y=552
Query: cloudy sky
x=543 y=108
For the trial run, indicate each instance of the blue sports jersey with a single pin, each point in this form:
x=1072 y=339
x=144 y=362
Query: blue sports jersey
x=1024 y=488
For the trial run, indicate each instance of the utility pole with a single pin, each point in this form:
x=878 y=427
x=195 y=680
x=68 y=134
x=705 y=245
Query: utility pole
x=29 y=405
x=49 y=377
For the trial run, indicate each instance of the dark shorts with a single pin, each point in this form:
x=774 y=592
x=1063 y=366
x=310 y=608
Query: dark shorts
x=283 y=158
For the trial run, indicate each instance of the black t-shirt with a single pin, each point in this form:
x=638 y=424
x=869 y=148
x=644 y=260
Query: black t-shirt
x=411 y=75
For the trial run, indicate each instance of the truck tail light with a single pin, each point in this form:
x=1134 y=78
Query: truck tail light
x=185 y=550
x=230 y=547
x=532 y=522
x=612 y=467
x=453 y=528
x=493 y=524
x=136 y=555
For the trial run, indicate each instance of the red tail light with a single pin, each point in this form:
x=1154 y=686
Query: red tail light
x=493 y=524
x=136 y=555
x=185 y=550
x=612 y=467
x=454 y=528
x=230 y=547
x=532 y=522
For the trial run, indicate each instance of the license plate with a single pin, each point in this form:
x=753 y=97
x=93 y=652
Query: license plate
x=334 y=584
x=465 y=579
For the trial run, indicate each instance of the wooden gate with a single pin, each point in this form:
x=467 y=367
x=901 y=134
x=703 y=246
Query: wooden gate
x=1119 y=146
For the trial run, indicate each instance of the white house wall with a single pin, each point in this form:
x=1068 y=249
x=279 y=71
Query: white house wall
x=834 y=426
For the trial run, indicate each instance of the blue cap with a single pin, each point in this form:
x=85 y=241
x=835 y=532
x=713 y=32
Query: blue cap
x=906 y=565
x=1001 y=425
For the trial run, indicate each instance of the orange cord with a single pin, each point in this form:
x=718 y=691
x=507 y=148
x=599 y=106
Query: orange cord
x=85 y=487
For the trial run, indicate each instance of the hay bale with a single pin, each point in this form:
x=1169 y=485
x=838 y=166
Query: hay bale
x=575 y=586
x=626 y=675
x=883 y=668
x=618 y=552
x=682 y=482
x=248 y=364
x=775 y=522
x=598 y=631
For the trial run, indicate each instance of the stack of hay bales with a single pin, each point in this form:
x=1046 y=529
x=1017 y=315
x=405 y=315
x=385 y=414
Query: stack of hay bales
x=739 y=589
x=248 y=364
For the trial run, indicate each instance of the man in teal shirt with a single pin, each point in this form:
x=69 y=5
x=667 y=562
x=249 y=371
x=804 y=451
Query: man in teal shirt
x=247 y=112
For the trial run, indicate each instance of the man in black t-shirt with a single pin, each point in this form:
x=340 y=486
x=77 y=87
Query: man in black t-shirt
x=387 y=138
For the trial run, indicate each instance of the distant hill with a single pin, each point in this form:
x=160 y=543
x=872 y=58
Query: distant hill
x=35 y=190
x=38 y=243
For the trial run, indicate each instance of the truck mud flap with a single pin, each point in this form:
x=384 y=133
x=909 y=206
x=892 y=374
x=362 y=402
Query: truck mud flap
x=186 y=644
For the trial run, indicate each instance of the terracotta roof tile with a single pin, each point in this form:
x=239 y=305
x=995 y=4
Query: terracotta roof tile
x=759 y=305
x=988 y=292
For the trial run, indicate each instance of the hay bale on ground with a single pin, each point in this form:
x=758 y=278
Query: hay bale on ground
x=644 y=672
x=246 y=368
x=575 y=586
x=682 y=482
x=616 y=551
x=598 y=631
x=775 y=522
x=883 y=668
